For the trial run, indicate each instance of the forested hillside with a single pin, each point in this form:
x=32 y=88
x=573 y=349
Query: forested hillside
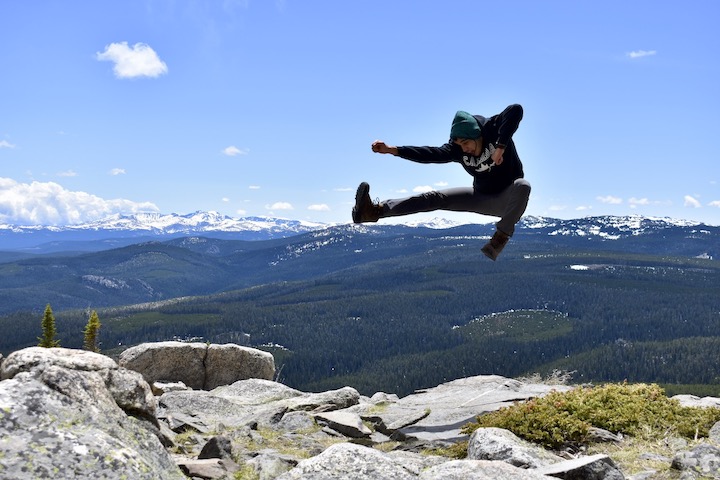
x=398 y=313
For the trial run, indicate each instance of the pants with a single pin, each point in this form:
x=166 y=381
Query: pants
x=509 y=204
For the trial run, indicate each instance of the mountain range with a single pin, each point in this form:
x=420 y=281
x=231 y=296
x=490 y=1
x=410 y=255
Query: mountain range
x=121 y=230
x=395 y=307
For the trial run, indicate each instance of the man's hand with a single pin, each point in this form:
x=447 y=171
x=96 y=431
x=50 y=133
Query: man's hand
x=497 y=156
x=381 y=147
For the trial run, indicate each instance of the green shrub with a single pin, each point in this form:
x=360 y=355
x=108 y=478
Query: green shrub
x=639 y=410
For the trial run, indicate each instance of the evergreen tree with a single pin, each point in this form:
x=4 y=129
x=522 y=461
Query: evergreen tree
x=48 y=328
x=91 y=333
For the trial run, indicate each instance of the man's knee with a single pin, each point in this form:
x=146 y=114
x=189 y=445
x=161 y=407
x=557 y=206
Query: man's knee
x=522 y=187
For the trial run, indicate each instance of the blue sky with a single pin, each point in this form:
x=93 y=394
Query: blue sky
x=264 y=107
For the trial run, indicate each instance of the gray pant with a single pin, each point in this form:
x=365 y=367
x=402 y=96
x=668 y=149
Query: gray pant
x=509 y=204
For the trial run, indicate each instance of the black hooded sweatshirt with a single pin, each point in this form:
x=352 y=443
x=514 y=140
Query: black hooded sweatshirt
x=487 y=177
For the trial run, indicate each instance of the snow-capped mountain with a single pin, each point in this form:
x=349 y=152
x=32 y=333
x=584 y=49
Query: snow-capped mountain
x=118 y=230
x=174 y=223
x=607 y=227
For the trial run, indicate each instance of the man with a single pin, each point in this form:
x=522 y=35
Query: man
x=484 y=147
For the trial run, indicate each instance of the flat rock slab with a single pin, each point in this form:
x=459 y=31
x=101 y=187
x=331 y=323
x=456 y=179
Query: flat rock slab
x=449 y=406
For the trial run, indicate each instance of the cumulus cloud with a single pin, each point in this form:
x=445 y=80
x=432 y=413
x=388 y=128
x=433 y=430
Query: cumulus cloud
x=280 y=206
x=6 y=144
x=641 y=53
x=609 y=199
x=130 y=62
x=48 y=203
x=117 y=171
x=422 y=189
x=321 y=207
x=714 y=203
x=692 y=202
x=233 y=151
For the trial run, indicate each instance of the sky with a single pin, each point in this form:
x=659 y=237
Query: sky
x=269 y=107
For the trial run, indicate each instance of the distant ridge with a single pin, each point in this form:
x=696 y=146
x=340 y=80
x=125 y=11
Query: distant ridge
x=118 y=230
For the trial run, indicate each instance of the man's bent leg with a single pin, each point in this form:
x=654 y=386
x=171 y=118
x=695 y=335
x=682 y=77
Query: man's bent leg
x=514 y=199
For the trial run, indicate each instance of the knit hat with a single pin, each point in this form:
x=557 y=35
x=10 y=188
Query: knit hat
x=464 y=126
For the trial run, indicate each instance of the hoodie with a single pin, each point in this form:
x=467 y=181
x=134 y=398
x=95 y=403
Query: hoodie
x=487 y=177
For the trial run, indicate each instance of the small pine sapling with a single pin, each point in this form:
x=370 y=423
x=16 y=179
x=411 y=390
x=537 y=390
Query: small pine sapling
x=48 y=329
x=91 y=333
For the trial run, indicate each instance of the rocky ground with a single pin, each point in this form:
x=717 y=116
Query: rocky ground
x=76 y=414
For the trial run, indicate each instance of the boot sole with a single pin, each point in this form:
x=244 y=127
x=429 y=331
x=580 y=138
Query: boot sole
x=362 y=190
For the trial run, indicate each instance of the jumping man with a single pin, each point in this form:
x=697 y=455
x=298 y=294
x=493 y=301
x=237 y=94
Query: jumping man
x=484 y=147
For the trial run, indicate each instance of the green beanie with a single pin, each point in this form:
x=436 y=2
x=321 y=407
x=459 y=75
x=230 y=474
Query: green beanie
x=464 y=126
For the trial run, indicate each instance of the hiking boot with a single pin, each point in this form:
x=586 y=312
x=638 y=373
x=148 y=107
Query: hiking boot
x=496 y=244
x=365 y=210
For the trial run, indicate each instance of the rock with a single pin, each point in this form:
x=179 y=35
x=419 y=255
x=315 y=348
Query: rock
x=349 y=424
x=347 y=461
x=594 y=467
x=382 y=397
x=270 y=464
x=714 y=433
x=158 y=388
x=600 y=435
x=325 y=401
x=228 y=363
x=416 y=463
x=479 y=470
x=704 y=459
x=71 y=401
x=503 y=445
x=212 y=468
x=256 y=391
x=168 y=362
x=451 y=405
x=197 y=365
x=217 y=447
x=127 y=389
x=694 y=401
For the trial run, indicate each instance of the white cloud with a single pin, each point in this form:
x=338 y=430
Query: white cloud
x=233 y=151
x=422 y=189
x=691 y=201
x=634 y=202
x=225 y=199
x=68 y=173
x=441 y=184
x=117 y=171
x=319 y=207
x=254 y=187
x=715 y=203
x=641 y=53
x=343 y=189
x=48 y=203
x=6 y=144
x=610 y=200
x=137 y=61
x=240 y=212
x=556 y=208
x=280 y=206
x=583 y=208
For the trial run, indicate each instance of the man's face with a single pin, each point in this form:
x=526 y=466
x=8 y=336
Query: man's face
x=469 y=146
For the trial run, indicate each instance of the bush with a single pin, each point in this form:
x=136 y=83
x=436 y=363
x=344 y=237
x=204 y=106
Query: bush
x=562 y=418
